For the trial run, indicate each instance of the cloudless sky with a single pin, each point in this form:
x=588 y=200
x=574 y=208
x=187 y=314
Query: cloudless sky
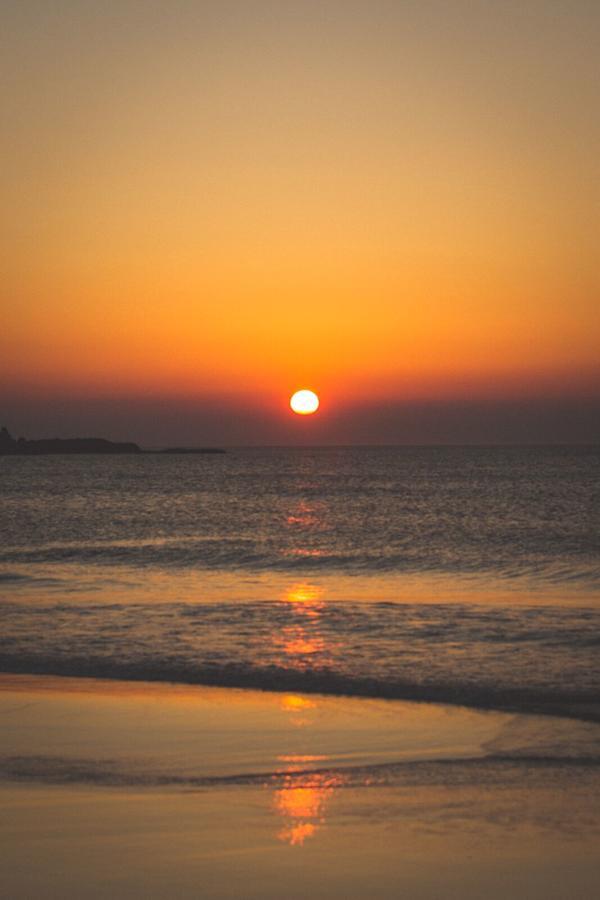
x=208 y=205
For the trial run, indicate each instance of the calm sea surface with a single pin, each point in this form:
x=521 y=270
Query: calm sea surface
x=467 y=575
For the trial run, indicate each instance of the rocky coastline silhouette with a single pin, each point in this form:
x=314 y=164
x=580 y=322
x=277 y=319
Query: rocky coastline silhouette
x=10 y=446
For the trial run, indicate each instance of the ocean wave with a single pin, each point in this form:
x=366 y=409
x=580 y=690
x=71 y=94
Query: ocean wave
x=116 y=773
x=254 y=556
x=541 y=658
x=576 y=704
x=512 y=514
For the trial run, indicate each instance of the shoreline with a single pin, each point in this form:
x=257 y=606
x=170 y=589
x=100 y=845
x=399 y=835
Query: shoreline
x=146 y=790
x=390 y=725
x=312 y=684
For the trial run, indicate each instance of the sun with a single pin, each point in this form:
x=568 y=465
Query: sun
x=304 y=402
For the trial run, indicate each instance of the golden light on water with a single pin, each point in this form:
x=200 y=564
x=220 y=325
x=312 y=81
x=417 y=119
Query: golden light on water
x=301 y=641
x=301 y=801
x=308 y=594
x=301 y=796
x=304 y=402
x=293 y=702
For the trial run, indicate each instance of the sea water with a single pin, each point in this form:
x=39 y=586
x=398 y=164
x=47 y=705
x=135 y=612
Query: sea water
x=460 y=575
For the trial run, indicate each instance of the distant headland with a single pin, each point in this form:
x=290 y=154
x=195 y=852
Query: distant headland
x=10 y=446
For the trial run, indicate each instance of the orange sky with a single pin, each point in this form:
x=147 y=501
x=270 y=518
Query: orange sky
x=390 y=203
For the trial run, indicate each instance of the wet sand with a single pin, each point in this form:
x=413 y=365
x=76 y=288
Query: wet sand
x=156 y=791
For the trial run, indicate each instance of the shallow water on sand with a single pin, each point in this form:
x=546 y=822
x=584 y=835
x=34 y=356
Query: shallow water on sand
x=115 y=789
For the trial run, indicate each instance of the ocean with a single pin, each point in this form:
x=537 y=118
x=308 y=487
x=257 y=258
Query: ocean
x=459 y=575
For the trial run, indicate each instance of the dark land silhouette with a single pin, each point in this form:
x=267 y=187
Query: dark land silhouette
x=10 y=446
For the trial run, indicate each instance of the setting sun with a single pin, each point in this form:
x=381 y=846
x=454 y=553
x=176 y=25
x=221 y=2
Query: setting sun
x=304 y=402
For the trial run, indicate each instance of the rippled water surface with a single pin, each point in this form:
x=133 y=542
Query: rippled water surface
x=508 y=512
x=335 y=570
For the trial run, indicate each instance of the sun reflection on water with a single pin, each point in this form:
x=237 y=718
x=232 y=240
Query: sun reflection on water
x=304 y=515
x=308 y=594
x=301 y=800
x=301 y=642
x=293 y=702
x=301 y=795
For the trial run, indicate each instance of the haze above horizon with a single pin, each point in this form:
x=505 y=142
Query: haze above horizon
x=213 y=204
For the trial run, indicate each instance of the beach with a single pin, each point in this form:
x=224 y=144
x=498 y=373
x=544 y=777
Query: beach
x=299 y=450
x=141 y=790
x=317 y=673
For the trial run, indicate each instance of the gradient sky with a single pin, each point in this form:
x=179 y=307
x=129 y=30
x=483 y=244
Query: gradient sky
x=208 y=205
